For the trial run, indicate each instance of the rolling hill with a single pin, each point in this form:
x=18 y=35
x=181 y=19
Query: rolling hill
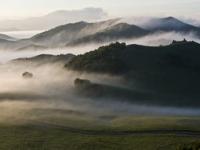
x=168 y=72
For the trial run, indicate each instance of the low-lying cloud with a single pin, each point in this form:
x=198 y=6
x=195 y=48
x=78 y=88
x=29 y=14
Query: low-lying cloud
x=156 y=39
x=52 y=88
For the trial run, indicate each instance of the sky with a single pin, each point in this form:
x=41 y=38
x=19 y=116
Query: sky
x=11 y=9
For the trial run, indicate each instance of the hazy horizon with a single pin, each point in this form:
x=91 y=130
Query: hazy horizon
x=20 y=9
x=35 y=15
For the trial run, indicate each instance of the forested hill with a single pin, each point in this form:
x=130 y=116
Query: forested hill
x=121 y=58
x=173 y=68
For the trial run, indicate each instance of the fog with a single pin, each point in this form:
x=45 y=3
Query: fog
x=22 y=34
x=7 y=55
x=51 y=93
x=156 y=39
x=163 y=38
x=52 y=87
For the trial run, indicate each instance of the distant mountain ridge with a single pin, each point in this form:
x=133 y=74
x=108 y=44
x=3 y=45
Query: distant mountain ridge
x=108 y=31
x=68 y=33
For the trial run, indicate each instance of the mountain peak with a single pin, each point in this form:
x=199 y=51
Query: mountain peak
x=169 y=24
x=170 y=18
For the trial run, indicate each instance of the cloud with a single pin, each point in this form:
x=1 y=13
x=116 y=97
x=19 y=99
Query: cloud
x=51 y=93
x=54 y=19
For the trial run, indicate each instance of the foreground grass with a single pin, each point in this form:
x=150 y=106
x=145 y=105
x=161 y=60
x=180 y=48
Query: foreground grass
x=141 y=123
x=28 y=137
x=53 y=130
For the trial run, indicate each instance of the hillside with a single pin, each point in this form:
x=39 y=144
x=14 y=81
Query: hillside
x=136 y=57
x=61 y=35
x=58 y=36
x=171 y=70
x=113 y=33
x=83 y=32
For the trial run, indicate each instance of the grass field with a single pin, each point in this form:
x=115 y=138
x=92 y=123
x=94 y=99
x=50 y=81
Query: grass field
x=76 y=131
x=46 y=138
